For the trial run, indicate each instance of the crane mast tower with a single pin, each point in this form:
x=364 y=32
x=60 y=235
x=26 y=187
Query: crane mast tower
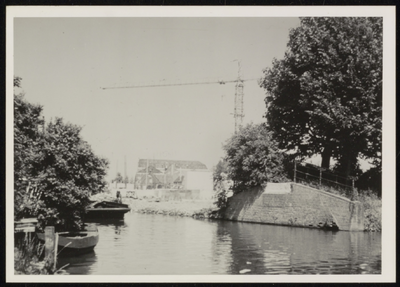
x=238 y=109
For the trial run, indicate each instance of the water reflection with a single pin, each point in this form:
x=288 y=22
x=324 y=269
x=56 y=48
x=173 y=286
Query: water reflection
x=245 y=249
x=155 y=244
x=81 y=264
x=266 y=249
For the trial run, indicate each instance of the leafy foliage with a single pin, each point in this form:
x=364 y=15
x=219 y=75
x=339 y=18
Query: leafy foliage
x=372 y=211
x=55 y=170
x=371 y=180
x=27 y=145
x=28 y=255
x=325 y=96
x=253 y=158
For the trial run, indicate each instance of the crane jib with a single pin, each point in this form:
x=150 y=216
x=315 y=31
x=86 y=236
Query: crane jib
x=238 y=109
x=179 y=84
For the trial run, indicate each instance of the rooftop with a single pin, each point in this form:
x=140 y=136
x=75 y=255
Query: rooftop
x=166 y=164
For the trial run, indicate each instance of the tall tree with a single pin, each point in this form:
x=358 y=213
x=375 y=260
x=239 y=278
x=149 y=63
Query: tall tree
x=325 y=96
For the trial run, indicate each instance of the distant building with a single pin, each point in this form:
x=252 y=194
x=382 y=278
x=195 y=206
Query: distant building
x=172 y=174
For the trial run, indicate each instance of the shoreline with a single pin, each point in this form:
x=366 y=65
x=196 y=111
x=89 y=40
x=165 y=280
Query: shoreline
x=187 y=208
x=207 y=208
x=152 y=205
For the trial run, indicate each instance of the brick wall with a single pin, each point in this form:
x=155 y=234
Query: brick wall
x=298 y=205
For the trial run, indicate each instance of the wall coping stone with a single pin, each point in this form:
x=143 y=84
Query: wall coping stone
x=324 y=192
x=278 y=188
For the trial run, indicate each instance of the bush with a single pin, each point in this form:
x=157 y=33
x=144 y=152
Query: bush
x=372 y=211
x=28 y=255
x=371 y=179
x=253 y=158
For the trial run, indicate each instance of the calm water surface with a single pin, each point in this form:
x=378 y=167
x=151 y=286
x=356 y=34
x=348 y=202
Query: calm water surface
x=155 y=244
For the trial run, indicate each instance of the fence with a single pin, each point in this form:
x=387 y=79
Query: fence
x=318 y=177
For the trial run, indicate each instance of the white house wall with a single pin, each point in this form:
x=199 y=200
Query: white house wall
x=200 y=180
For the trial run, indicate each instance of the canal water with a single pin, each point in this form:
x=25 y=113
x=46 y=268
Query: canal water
x=143 y=244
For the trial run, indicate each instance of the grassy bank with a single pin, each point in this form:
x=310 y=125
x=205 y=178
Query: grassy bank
x=29 y=258
x=372 y=211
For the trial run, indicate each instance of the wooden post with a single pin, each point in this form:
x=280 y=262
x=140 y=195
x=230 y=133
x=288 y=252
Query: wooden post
x=147 y=171
x=320 y=176
x=125 y=170
x=116 y=181
x=294 y=171
x=55 y=251
x=49 y=245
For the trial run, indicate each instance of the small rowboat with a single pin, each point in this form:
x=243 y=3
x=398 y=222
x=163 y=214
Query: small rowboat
x=106 y=209
x=76 y=242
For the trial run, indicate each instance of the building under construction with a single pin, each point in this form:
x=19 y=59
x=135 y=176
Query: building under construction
x=173 y=174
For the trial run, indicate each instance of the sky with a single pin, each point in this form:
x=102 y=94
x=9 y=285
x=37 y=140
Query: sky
x=64 y=63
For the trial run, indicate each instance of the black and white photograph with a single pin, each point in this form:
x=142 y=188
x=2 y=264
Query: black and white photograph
x=200 y=144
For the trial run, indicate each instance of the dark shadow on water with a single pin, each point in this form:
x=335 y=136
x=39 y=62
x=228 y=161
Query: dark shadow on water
x=77 y=264
x=107 y=221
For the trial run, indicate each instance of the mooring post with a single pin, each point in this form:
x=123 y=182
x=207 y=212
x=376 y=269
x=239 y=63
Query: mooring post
x=354 y=195
x=294 y=179
x=49 y=245
x=320 y=176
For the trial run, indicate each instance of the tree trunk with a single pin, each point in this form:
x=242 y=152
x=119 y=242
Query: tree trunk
x=347 y=164
x=326 y=157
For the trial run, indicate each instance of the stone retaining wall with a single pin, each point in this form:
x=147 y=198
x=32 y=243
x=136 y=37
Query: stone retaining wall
x=295 y=205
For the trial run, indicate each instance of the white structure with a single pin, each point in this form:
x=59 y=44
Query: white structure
x=202 y=180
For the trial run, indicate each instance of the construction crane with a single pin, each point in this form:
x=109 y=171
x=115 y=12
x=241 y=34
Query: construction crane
x=238 y=108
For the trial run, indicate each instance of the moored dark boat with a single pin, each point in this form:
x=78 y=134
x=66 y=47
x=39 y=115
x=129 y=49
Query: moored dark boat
x=76 y=242
x=106 y=209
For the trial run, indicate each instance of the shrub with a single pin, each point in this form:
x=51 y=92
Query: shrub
x=372 y=211
x=253 y=158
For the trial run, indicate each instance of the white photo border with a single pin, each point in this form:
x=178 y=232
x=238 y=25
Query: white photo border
x=389 y=128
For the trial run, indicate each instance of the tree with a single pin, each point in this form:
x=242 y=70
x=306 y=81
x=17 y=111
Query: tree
x=62 y=166
x=253 y=158
x=71 y=171
x=325 y=96
x=118 y=178
x=27 y=145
